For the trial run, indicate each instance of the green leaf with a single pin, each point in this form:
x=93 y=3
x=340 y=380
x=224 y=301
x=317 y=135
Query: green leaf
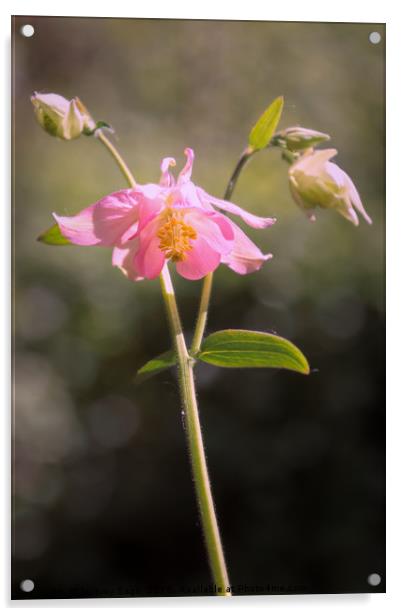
x=240 y=348
x=53 y=237
x=154 y=366
x=262 y=133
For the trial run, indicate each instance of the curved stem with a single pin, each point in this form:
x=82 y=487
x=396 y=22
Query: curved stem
x=246 y=155
x=207 y=284
x=195 y=441
x=119 y=160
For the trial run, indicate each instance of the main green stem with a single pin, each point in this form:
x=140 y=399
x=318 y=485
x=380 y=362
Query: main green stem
x=201 y=321
x=195 y=441
x=191 y=417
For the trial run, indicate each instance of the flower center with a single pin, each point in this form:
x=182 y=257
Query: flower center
x=175 y=236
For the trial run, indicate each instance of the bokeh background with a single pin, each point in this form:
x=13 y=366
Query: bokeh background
x=103 y=497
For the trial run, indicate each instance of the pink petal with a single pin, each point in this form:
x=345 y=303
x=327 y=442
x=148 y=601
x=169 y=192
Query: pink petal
x=185 y=173
x=151 y=202
x=166 y=178
x=123 y=258
x=147 y=191
x=254 y=221
x=201 y=260
x=356 y=201
x=103 y=223
x=150 y=261
x=245 y=257
x=224 y=223
x=149 y=258
x=214 y=228
x=312 y=161
x=186 y=195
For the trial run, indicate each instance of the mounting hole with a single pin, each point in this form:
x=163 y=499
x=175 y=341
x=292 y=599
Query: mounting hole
x=375 y=38
x=27 y=585
x=27 y=30
x=374 y=579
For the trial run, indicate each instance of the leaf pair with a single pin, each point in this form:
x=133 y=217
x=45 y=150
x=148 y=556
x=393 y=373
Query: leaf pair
x=237 y=348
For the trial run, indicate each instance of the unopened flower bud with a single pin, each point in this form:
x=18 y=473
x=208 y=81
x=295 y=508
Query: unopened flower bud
x=61 y=117
x=297 y=138
x=316 y=182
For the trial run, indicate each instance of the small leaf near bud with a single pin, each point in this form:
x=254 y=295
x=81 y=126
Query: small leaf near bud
x=262 y=133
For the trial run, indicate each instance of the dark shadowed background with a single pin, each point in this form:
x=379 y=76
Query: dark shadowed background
x=103 y=496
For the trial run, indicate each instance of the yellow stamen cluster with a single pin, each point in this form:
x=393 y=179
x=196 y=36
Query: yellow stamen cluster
x=175 y=235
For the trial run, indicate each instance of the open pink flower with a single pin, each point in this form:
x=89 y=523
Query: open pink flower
x=173 y=220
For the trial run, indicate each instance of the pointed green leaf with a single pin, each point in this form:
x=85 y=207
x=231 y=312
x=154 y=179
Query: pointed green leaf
x=154 y=366
x=240 y=348
x=262 y=133
x=53 y=237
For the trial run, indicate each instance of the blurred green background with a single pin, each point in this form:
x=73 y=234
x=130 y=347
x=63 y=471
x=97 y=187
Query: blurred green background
x=103 y=496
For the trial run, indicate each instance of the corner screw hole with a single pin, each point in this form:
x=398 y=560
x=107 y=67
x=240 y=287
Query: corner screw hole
x=27 y=585
x=374 y=579
x=27 y=30
x=375 y=38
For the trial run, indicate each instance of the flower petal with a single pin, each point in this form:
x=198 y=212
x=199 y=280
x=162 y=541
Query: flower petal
x=166 y=178
x=245 y=256
x=185 y=173
x=103 y=223
x=150 y=203
x=149 y=259
x=186 y=195
x=73 y=122
x=312 y=161
x=200 y=261
x=356 y=201
x=123 y=258
x=214 y=228
x=348 y=212
x=349 y=196
x=253 y=221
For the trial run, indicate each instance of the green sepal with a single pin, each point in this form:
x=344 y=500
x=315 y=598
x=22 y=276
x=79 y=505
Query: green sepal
x=101 y=124
x=53 y=237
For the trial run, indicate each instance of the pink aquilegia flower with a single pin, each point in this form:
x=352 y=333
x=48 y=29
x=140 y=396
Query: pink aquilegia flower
x=173 y=220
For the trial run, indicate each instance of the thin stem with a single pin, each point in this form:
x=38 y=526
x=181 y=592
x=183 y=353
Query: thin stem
x=236 y=173
x=195 y=441
x=202 y=313
x=119 y=160
x=202 y=316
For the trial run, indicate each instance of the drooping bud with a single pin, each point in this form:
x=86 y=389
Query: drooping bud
x=316 y=182
x=296 y=138
x=66 y=119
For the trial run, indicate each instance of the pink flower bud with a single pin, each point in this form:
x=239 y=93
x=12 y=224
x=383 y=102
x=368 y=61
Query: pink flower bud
x=296 y=138
x=60 y=117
